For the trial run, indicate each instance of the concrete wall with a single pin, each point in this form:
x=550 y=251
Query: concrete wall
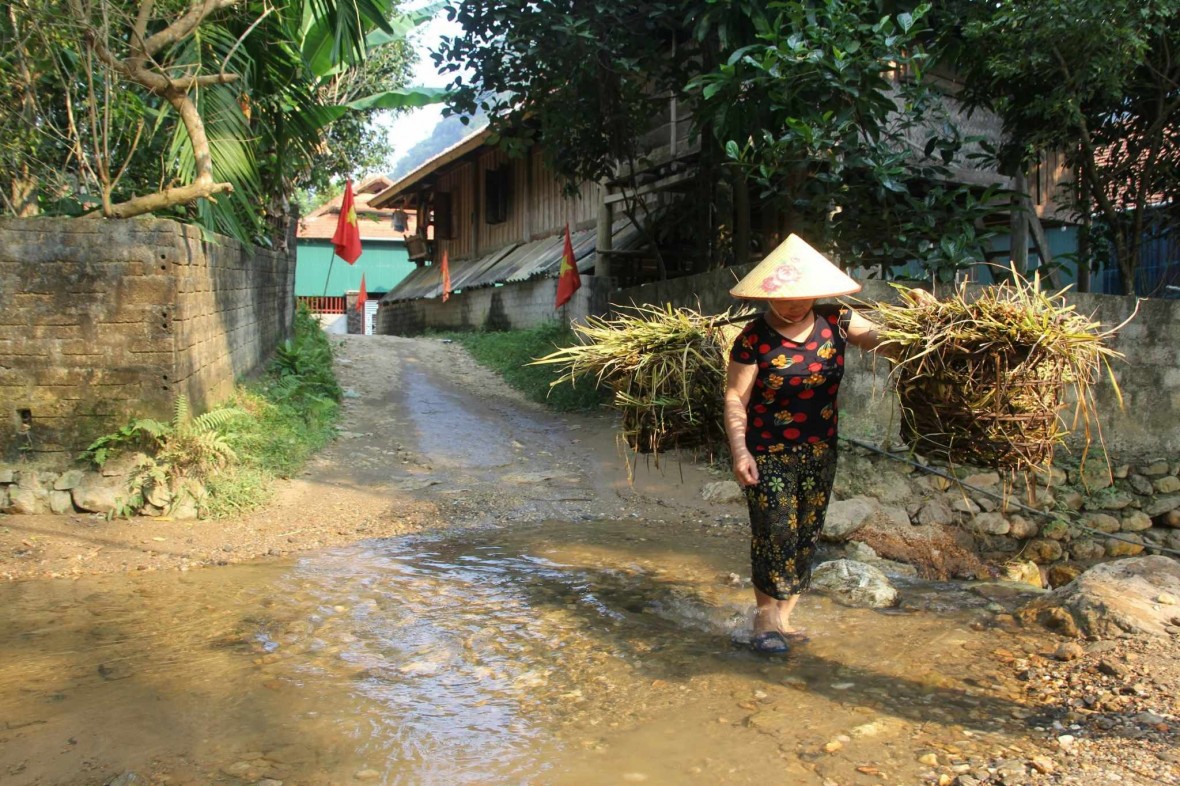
x=101 y=320
x=1147 y=425
x=522 y=305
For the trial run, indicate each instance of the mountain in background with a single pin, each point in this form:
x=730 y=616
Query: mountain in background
x=448 y=131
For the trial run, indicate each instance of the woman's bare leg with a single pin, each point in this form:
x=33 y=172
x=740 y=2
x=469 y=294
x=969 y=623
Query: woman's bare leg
x=773 y=614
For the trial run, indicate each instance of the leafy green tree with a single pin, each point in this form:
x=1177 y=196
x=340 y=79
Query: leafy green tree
x=800 y=98
x=208 y=110
x=831 y=115
x=1099 y=80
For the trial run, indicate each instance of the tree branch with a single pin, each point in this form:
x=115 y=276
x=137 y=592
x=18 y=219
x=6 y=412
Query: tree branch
x=185 y=25
x=138 y=206
x=189 y=83
x=141 y=22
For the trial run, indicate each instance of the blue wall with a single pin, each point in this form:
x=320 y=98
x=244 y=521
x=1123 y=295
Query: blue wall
x=384 y=264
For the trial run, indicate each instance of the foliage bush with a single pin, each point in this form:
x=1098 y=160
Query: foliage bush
x=509 y=353
x=227 y=459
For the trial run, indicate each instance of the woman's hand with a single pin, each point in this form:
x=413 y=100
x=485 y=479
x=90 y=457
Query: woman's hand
x=920 y=297
x=744 y=468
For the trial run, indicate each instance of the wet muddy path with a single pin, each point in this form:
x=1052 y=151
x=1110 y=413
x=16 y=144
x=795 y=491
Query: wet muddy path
x=562 y=629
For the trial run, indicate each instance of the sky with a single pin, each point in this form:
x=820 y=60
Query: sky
x=412 y=127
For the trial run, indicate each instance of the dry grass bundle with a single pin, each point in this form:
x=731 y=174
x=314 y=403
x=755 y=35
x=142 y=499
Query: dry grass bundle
x=984 y=381
x=666 y=368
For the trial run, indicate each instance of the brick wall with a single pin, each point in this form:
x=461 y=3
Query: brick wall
x=101 y=320
x=521 y=305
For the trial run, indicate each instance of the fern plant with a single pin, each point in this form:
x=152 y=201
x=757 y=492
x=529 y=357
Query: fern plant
x=175 y=456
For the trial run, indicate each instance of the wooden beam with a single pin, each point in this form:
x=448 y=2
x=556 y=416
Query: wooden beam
x=1018 y=225
x=651 y=188
x=605 y=240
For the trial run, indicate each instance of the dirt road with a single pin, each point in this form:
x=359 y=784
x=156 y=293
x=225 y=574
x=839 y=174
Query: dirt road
x=429 y=438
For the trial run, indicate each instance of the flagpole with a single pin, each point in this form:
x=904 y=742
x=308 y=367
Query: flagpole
x=327 y=278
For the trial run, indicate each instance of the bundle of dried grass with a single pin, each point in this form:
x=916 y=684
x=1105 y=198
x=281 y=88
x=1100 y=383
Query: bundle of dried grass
x=666 y=368
x=984 y=381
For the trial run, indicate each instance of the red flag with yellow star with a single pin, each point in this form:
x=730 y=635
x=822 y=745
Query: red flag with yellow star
x=446 y=277
x=568 y=278
x=347 y=240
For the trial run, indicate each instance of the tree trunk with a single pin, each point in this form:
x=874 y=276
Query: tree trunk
x=1018 y=226
x=24 y=194
x=1084 y=254
x=741 y=215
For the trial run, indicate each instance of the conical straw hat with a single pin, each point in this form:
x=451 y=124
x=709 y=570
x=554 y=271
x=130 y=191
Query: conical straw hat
x=794 y=270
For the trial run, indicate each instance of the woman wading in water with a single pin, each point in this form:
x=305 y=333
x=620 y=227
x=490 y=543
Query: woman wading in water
x=781 y=419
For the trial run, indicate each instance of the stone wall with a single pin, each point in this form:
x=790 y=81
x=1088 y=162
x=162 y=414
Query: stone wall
x=101 y=320
x=513 y=306
x=1147 y=426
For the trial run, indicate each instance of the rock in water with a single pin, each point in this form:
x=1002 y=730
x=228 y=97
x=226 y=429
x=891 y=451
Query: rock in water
x=723 y=491
x=845 y=517
x=855 y=584
x=1114 y=599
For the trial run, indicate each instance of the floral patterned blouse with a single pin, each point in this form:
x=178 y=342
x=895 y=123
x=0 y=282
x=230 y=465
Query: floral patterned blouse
x=794 y=397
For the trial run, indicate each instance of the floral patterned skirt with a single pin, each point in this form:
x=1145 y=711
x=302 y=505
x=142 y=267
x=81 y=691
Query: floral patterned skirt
x=787 y=509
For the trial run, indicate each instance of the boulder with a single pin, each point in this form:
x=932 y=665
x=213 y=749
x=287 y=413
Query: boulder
x=1087 y=550
x=935 y=512
x=1071 y=500
x=895 y=515
x=722 y=492
x=1169 y=519
x=68 y=480
x=1135 y=521
x=26 y=500
x=1024 y=572
x=1113 y=599
x=961 y=504
x=99 y=494
x=1141 y=485
x=1043 y=551
x=855 y=584
x=1103 y=522
x=847 y=516
x=1055 y=530
x=989 y=524
x=1062 y=573
x=1168 y=484
x=186 y=509
x=888 y=487
x=1020 y=527
x=1156 y=536
x=1125 y=546
x=1154 y=468
x=60 y=502
x=863 y=552
x=1162 y=504
x=983 y=480
x=7 y=476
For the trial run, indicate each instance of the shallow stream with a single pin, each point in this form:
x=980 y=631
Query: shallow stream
x=567 y=653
